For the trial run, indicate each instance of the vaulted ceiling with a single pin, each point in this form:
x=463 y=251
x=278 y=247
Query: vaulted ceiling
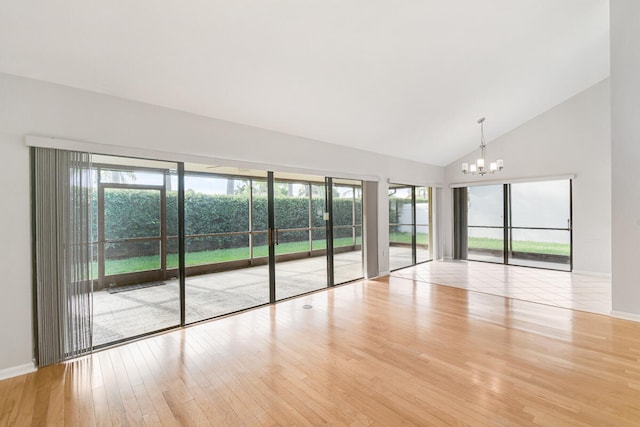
x=402 y=78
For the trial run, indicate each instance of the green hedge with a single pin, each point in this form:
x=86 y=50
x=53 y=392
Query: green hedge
x=136 y=213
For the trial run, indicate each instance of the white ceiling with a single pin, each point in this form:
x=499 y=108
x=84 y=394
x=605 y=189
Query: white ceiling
x=406 y=78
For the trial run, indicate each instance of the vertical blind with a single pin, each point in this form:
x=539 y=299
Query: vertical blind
x=63 y=253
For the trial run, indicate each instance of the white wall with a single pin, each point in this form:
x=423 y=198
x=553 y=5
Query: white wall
x=625 y=123
x=571 y=138
x=15 y=255
x=38 y=108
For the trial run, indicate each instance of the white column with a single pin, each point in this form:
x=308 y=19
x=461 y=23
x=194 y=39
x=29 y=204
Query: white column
x=625 y=129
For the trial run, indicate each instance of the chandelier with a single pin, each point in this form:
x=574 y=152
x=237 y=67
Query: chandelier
x=479 y=166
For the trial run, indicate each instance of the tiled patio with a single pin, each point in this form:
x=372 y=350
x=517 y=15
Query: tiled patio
x=126 y=314
x=557 y=288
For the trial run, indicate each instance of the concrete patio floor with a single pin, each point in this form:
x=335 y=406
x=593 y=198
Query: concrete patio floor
x=127 y=314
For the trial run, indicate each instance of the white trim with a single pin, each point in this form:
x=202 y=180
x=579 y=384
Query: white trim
x=634 y=317
x=393 y=180
x=593 y=273
x=512 y=180
x=15 y=371
x=119 y=150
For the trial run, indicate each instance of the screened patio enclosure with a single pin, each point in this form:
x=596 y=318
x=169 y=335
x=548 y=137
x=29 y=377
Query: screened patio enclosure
x=250 y=238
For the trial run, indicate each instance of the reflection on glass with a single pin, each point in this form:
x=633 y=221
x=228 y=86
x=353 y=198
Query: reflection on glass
x=423 y=252
x=486 y=205
x=136 y=291
x=131 y=177
x=401 y=223
x=422 y=243
x=486 y=244
x=544 y=204
x=220 y=212
x=319 y=229
x=131 y=257
x=540 y=216
x=299 y=217
x=485 y=211
x=347 y=230
x=539 y=233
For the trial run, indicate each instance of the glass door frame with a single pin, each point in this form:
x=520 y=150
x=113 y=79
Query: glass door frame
x=162 y=239
x=507 y=227
x=414 y=224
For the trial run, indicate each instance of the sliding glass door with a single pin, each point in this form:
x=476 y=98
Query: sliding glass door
x=526 y=224
x=298 y=268
x=486 y=223
x=347 y=230
x=409 y=225
x=222 y=252
x=173 y=244
x=136 y=287
x=423 y=224
x=401 y=226
x=540 y=224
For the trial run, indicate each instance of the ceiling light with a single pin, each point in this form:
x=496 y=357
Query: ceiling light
x=479 y=166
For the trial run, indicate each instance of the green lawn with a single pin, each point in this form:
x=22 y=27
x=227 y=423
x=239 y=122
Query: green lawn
x=495 y=244
x=421 y=238
x=152 y=262
x=520 y=246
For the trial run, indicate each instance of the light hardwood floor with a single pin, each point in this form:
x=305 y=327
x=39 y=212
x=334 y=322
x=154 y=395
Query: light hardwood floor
x=386 y=352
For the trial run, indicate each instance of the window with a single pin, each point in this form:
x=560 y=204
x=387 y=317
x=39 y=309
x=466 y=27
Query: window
x=409 y=225
x=526 y=224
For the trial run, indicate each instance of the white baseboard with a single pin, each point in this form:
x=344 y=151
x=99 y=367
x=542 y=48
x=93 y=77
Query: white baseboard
x=15 y=371
x=592 y=273
x=626 y=316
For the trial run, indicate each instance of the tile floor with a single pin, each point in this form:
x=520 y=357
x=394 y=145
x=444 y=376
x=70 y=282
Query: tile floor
x=557 y=288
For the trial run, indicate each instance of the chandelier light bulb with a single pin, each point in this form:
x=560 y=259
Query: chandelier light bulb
x=479 y=166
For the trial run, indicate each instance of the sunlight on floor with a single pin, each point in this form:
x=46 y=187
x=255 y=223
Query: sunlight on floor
x=557 y=288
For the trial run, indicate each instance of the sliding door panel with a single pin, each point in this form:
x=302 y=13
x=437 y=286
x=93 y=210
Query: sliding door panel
x=226 y=268
x=486 y=223
x=297 y=269
x=540 y=232
x=423 y=249
x=347 y=230
x=401 y=226
x=137 y=291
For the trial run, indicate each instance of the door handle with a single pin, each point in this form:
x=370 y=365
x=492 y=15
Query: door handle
x=277 y=236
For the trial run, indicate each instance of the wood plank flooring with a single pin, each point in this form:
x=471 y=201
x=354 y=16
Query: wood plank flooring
x=387 y=352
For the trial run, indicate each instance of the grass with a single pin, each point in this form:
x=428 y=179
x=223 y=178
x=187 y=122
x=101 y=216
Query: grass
x=550 y=248
x=421 y=238
x=152 y=262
